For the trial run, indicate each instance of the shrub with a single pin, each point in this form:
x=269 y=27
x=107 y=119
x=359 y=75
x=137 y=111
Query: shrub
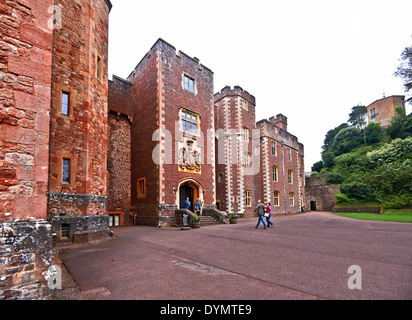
x=341 y=198
x=334 y=177
x=357 y=190
x=391 y=152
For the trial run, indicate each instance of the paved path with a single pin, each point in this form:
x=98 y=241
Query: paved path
x=305 y=256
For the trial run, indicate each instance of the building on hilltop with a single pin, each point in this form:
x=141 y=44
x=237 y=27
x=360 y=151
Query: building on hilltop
x=383 y=110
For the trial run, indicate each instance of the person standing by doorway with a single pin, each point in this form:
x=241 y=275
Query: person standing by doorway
x=268 y=216
x=198 y=207
x=187 y=203
x=260 y=210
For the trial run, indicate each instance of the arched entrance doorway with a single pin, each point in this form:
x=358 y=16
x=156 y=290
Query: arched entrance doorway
x=188 y=189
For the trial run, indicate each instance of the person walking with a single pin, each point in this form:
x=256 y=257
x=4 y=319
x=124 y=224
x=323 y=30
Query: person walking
x=268 y=215
x=260 y=210
x=198 y=207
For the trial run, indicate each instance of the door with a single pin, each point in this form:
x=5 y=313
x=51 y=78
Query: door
x=186 y=191
x=313 y=206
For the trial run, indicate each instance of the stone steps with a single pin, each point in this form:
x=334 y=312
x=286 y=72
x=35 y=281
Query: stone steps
x=207 y=221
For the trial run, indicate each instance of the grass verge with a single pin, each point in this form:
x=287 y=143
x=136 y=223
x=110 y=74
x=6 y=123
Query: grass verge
x=393 y=215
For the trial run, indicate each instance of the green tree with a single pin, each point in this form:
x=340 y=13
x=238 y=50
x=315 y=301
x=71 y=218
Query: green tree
x=404 y=70
x=346 y=140
x=317 y=166
x=357 y=117
x=373 y=133
x=330 y=135
x=398 y=123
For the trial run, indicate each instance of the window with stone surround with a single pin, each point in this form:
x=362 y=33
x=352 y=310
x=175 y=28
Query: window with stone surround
x=245 y=134
x=291 y=199
x=248 y=198
x=274 y=150
x=220 y=178
x=244 y=104
x=275 y=173
x=246 y=160
x=190 y=122
x=276 y=199
x=99 y=68
x=289 y=154
x=66 y=170
x=65 y=103
x=141 y=188
x=290 y=176
x=189 y=83
x=64 y=230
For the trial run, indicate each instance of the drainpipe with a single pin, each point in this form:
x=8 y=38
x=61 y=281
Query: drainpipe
x=51 y=113
x=284 y=184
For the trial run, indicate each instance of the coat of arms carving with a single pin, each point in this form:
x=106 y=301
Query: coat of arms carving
x=188 y=158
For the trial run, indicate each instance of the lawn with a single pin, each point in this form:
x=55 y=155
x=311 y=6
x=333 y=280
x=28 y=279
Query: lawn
x=393 y=215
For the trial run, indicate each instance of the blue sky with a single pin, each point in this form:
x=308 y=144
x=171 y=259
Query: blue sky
x=309 y=60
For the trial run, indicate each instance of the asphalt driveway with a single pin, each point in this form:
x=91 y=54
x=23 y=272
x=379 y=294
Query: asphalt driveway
x=305 y=256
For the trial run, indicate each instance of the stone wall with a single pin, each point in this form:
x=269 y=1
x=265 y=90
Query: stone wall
x=119 y=166
x=316 y=190
x=26 y=42
x=25 y=256
x=80 y=134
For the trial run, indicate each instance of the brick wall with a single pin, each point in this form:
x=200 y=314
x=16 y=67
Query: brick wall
x=385 y=109
x=232 y=117
x=159 y=95
x=284 y=143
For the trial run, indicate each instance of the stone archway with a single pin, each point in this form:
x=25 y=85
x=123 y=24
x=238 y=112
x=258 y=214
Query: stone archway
x=191 y=189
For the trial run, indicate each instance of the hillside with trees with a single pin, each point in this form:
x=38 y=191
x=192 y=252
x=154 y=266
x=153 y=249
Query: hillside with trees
x=372 y=165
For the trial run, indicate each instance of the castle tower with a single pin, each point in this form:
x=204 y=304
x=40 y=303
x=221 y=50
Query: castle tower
x=235 y=120
x=78 y=148
x=25 y=84
x=172 y=153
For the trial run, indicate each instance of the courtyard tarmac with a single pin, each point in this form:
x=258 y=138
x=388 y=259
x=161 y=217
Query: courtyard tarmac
x=310 y=256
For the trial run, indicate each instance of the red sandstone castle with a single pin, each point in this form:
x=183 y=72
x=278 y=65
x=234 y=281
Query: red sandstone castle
x=80 y=153
x=185 y=141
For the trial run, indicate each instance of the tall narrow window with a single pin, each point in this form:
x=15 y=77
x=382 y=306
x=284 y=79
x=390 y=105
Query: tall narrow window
x=291 y=199
x=141 y=188
x=289 y=154
x=290 y=176
x=99 y=68
x=248 y=197
x=276 y=198
x=275 y=173
x=245 y=134
x=190 y=122
x=220 y=177
x=65 y=103
x=189 y=84
x=64 y=230
x=66 y=170
x=373 y=114
x=246 y=159
x=244 y=104
x=274 y=151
